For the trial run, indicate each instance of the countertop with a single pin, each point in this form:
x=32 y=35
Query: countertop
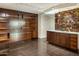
x=64 y=31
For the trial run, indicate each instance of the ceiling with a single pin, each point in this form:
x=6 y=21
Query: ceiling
x=61 y=7
x=28 y=7
x=34 y=7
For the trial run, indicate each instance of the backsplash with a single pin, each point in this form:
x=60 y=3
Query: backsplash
x=67 y=20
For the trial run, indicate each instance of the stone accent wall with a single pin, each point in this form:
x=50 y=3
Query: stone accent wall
x=67 y=20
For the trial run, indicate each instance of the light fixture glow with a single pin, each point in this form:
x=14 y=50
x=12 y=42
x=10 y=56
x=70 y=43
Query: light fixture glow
x=15 y=36
x=16 y=23
x=3 y=14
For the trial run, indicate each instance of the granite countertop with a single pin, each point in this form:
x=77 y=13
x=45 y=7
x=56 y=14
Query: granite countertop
x=64 y=31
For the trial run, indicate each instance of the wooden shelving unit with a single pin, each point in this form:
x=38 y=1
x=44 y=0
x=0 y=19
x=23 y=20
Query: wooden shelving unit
x=28 y=31
x=4 y=30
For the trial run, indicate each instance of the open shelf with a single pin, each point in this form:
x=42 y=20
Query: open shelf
x=3 y=37
x=4 y=30
x=2 y=21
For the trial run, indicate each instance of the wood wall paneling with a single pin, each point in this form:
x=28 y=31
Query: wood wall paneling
x=29 y=30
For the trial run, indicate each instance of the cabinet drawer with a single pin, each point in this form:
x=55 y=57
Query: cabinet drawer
x=34 y=34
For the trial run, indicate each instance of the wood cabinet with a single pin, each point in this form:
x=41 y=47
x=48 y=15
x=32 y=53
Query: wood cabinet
x=73 y=42
x=34 y=27
x=3 y=29
x=28 y=31
x=3 y=25
x=3 y=37
x=26 y=36
x=51 y=37
x=8 y=35
x=30 y=28
x=65 y=40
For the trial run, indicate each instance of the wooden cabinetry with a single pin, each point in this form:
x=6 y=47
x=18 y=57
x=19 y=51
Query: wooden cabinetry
x=73 y=42
x=34 y=27
x=28 y=31
x=9 y=36
x=26 y=36
x=65 y=40
x=62 y=39
x=8 y=13
x=51 y=37
x=3 y=25
x=3 y=29
x=3 y=37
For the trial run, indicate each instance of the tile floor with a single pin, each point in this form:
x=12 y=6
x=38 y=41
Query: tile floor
x=38 y=47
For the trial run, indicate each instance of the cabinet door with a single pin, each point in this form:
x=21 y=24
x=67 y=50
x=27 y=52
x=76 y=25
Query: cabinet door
x=73 y=42
x=67 y=37
x=26 y=36
x=51 y=37
x=26 y=29
x=34 y=34
x=62 y=39
x=34 y=27
x=56 y=38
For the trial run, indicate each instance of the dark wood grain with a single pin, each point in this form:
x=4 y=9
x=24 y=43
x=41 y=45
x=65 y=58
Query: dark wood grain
x=65 y=40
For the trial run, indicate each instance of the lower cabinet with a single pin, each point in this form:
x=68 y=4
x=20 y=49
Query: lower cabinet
x=51 y=37
x=26 y=36
x=73 y=42
x=62 y=39
x=34 y=34
x=65 y=40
